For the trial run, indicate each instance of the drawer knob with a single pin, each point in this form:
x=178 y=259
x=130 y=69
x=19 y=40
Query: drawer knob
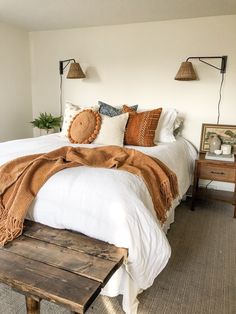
x=217 y=172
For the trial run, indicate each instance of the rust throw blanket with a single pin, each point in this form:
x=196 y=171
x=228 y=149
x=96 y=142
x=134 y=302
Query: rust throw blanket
x=21 y=179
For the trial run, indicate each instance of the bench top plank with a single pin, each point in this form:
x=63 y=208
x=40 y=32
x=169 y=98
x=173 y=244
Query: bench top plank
x=79 y=263
x=75 y=241
x=61 y=266
x=47 y=282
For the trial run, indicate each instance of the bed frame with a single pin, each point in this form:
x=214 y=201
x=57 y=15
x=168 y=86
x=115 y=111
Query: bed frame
x=60 y=266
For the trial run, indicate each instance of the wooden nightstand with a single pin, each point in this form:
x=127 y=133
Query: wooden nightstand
x=216 y=171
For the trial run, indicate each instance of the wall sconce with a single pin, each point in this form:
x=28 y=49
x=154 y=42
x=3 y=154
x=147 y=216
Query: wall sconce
x=186 y=73
x=75 y=72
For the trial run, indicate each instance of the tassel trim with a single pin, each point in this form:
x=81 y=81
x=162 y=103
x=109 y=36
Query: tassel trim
x=10 y=228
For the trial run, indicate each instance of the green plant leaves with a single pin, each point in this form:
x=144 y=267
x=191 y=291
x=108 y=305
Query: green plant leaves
x=47 y=121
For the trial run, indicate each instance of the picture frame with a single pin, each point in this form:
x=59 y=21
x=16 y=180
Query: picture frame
x=226 y=133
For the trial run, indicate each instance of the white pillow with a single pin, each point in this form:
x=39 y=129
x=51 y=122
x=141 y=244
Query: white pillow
x=165 y=128
x=112 y=130
x=70 y=111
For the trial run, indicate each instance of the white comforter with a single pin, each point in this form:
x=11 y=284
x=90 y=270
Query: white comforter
x=110 y=205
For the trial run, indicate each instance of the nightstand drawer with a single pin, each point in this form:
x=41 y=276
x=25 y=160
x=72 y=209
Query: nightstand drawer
x=214 y=170
x=217 y=173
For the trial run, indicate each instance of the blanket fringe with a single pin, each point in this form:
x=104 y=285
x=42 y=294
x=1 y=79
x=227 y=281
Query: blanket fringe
x=10 y=228
x=174 y=185
x=167 y=193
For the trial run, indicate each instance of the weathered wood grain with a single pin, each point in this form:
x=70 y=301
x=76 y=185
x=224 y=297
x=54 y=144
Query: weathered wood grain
x=76 y=262
x=32 y=306
x=75 y=241
x=61 y=266
x=47 y=282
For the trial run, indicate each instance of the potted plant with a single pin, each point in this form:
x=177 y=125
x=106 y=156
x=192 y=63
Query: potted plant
x=47 y=122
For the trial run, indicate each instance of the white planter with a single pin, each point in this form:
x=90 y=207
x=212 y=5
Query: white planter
x=44 y=132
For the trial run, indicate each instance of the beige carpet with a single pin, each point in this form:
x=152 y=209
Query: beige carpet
x=200 y=277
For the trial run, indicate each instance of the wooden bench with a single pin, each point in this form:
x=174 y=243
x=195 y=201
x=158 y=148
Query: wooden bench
x=61 y=266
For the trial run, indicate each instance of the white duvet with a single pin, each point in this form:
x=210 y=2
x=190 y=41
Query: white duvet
x=110 y=205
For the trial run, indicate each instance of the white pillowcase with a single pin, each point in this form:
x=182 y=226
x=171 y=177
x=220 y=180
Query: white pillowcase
x=165 y=128
x=112 y=130
x=70 y=111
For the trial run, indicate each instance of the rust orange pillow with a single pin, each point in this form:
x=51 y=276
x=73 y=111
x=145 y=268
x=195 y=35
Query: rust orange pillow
x=141 y=126
x=84 y=127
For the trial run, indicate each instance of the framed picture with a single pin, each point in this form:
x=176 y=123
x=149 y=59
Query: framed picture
x=226 y=133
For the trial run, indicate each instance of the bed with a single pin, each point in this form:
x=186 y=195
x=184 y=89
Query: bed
x=85 y=199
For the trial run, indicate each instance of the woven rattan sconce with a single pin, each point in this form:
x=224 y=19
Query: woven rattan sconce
x=75 y=72
x=186 y=71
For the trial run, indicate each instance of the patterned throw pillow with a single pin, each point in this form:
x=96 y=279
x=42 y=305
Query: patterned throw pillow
x=140 y=129
x=72 y=110
x=111 y=111
x=84 y=127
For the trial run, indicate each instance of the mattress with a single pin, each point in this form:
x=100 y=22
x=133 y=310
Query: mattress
x=110 y=205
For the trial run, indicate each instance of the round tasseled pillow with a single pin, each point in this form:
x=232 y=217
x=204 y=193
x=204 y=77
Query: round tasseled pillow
x=84 y=127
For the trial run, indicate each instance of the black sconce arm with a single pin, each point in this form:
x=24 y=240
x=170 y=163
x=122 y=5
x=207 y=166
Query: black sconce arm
x=61 y=68
x=223 y=62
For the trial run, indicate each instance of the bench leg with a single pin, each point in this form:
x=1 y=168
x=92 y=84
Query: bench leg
x=32 y=306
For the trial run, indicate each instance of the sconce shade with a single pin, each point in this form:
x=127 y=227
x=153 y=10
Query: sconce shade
x=75 y=71
x=186 y=72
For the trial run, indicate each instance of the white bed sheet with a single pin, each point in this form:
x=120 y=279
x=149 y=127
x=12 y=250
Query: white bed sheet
x=110 y=205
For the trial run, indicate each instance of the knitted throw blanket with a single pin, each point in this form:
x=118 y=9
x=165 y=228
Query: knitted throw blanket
x=21 y=179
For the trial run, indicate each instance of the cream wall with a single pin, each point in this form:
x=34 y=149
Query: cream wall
x=136 y=63
x=15 y=86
